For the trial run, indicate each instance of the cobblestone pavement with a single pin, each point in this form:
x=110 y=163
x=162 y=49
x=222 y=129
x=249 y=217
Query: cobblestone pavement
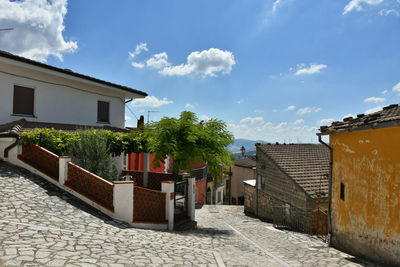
x=40 y=225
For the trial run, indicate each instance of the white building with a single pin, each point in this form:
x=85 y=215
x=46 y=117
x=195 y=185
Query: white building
x=46 y=95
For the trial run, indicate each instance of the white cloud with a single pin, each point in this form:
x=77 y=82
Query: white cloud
x=189 y=106
x=275 y=5
x=281 y=132
x=258 y=111
x=281 y=125
x=291 y=107
x=312 y=69
x=239 y=102
x=204 y=118
x=297 y=122
x=374 y=99
x=127 y=118
x=139 y=48
x=38 y=29
x=372 y=110
x=151 y=101
x=307 y=110
x=384 y=92
x=137 y=65
x=158 y=61
x=252 y=120
x=207 y=62
x=396 y=88
x=357 y=5
x=325 y=121
x=387 y=12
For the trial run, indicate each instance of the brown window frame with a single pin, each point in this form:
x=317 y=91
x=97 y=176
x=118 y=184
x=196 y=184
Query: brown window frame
x=22 y=105
x=99 y=116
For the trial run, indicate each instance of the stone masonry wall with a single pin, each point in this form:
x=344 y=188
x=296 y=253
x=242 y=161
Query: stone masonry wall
x=250 y=199
x=278 y=192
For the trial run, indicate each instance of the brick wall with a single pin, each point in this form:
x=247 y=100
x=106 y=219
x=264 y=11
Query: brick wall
x=41 y=159
x=136 y=176
x=155 y=179
x=91 y=186
x=149 y=205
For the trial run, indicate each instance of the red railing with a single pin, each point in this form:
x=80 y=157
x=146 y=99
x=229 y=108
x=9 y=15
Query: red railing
x=149 y=205
x=41 y=159
x=91 y=186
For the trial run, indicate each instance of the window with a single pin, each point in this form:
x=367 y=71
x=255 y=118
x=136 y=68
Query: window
x=342 y=191
x=103 y=111
x=23 y=100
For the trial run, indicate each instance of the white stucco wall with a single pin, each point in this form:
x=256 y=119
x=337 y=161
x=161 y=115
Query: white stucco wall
x=58 y=98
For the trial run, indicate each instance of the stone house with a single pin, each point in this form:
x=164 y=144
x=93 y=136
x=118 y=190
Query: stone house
x=292 y=186
x=243 y=169
x=365 y=185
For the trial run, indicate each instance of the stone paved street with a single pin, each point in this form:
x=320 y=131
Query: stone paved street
x=42 y=226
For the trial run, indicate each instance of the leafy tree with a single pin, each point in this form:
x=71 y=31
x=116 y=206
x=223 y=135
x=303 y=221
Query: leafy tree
x=189 y=141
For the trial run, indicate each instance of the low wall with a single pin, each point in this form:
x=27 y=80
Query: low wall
x=149 y=205
x=250 y=199
x=91 y=186
x=41 y=159
x=137 y=176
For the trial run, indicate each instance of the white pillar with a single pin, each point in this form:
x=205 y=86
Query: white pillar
x=191 y=197
x=63 y=169
x=146 y=169
x=123 y=200
x=168 y=188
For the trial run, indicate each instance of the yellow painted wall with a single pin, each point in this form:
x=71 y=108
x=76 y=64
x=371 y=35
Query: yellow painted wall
x=367 y=221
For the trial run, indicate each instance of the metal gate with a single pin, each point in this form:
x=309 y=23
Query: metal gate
x=181 y=200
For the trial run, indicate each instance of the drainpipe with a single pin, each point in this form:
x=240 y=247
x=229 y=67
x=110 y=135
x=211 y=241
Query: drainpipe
x=7 y=149
x=329 y=189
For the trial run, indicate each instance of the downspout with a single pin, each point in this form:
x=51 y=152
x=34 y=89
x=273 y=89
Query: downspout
x=7 y=149
x=329 y=189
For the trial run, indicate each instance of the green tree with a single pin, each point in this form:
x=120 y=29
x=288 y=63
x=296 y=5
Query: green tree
x=189 y=141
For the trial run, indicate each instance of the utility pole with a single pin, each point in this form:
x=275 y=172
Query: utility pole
x=148 y=114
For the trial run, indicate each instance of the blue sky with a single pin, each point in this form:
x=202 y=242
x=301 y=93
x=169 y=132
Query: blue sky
x=272 y=70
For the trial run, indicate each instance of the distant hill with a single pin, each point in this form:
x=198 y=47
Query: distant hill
x=248 y=144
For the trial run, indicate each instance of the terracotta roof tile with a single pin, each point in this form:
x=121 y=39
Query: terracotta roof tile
x=387 y=114
x=306 y=164
x=246 y=162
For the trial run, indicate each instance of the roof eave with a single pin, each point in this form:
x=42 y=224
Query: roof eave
x=373 y=126
x=127 y=91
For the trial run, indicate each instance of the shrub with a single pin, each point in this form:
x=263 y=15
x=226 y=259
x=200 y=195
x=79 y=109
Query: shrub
x=53 y=140
x=92 y=153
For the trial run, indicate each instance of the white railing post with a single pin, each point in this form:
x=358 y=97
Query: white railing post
x=191 y=197
x=123 y=200
x=63 y=169
x=146 y=169
x=168 y=188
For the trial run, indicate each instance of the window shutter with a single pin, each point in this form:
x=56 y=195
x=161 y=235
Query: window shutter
x=103 y=111
x=23 y=100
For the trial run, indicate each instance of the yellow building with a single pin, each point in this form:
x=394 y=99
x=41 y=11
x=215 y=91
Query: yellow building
x=365 y=185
